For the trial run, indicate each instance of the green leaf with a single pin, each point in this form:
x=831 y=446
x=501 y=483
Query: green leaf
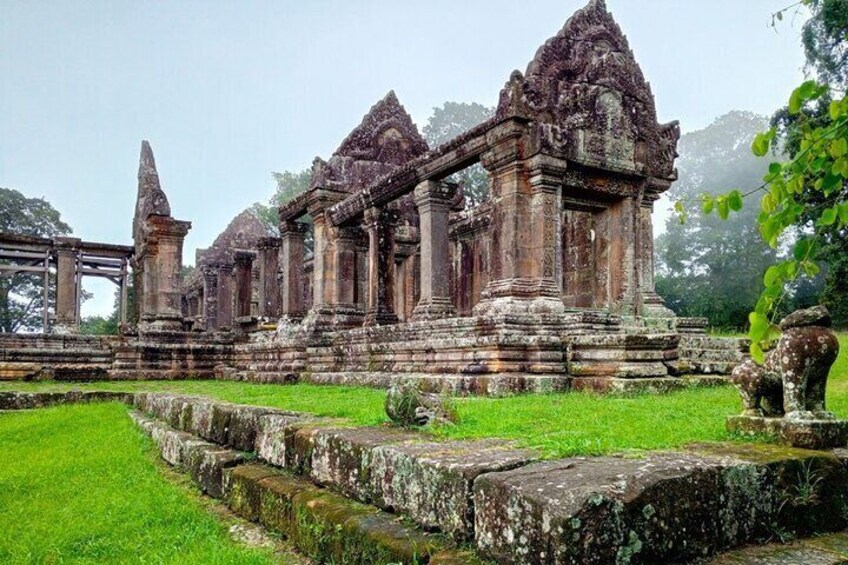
x=759 y=326
x=828 y=217
x=804 y=248
x=723 y=208
x=807 y=89
x=707 y=204
x=681 y=211
x=810 y=268
x=775 y=168
x=734 y=200
x=835 y=110
x=772 y=276
x=838 y=147
x=768 y=203
x=760 y=146
x=843 y=213
x=757 y=353
x=795 y=103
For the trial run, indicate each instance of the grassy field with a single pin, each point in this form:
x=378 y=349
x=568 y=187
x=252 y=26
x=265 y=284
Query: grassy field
x=80 y=484
x=557 y=424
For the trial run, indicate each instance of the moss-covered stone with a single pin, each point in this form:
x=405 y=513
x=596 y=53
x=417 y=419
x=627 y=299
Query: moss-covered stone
x=244 y=489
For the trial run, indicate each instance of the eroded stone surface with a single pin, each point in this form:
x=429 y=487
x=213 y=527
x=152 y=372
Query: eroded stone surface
x=663 y=507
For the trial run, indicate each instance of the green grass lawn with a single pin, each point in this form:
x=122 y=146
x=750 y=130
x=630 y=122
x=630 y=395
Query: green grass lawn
x=557 y=424
x=81 y=484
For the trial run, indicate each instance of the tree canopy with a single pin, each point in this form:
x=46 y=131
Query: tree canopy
x=21 y=295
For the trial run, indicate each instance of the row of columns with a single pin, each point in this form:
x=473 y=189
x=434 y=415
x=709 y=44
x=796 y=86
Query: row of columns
x=334 y=265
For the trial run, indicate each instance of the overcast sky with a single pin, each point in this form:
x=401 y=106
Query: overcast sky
x=227 y=92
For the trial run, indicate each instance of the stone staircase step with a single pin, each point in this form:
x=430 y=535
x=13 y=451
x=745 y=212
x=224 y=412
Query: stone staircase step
x=409 y=473
x=322 y=524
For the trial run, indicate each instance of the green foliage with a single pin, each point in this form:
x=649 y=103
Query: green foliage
x=447 y=122
x=98 y=325
x=289 y=185
x=818 y=172
x=707 y=267
x=81 y=484
x=21 y=295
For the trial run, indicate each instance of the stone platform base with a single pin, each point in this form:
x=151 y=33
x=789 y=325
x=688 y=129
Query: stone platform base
x=809 y=434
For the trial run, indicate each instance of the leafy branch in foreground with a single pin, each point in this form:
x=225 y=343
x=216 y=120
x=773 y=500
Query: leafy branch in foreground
x=808 y=192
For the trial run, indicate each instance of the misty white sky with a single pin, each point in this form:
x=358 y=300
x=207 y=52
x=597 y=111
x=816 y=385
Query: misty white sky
x=227 y=92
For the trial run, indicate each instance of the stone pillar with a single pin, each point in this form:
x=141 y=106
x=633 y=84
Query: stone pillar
x=433 y=200
x=293 y=255
x=622 y=264
x=546 y=174
x=381 y=267
x=162 y=257
x=652 y=304
x=66 y=285
x=244 y=282
x=525 y=255
x=343 y=299
x=225 y=296
x=269 y=266
x=324 y=291
x=210 y=298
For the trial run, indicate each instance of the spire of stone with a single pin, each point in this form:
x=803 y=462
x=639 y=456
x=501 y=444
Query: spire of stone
x=151 y=199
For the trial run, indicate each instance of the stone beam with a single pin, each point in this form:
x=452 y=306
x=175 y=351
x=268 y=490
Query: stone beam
x=453 y=156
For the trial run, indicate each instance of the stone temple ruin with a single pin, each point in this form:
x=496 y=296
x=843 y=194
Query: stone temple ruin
x=548 y=285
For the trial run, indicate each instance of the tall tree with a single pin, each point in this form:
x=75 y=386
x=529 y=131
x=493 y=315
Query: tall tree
x=706 y=267
x=449 y=121
x=21 y=295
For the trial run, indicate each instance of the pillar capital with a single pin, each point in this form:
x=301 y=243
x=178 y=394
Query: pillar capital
x=375 y=215
x=242 y=258
x=430 y=191
x=292 y=228
x=268 y=242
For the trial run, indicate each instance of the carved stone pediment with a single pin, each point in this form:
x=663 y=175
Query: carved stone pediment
x=385 y=139
x=589 y=100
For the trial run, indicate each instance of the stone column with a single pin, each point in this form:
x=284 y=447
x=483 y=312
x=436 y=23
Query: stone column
x=163 y=260
x=269 y=266
x=244 y=282
x=546 y=180
x=622 y=265
x=510 y=288
x=343 y=299
x=210 y=297
x=381 y=267
x=652 y=304
x=433 y=200
x=293 y=255
x=324 y=291
x=225 y=295
x=66 y=285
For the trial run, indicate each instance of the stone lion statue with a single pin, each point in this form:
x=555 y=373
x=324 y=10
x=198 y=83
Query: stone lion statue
x=792 y=380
